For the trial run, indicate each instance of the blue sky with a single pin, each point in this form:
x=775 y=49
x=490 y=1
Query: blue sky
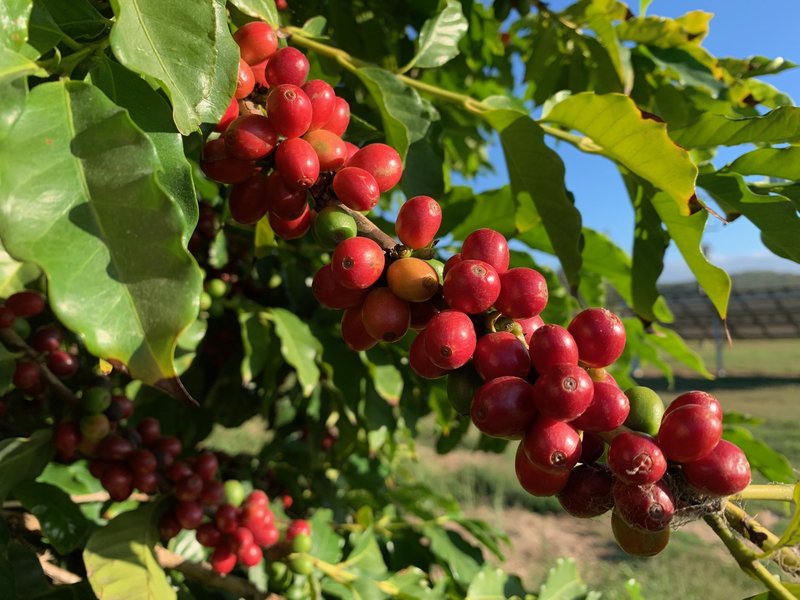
x=738 y=29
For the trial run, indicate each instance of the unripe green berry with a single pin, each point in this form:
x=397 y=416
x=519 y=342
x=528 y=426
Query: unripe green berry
x=95 y=427
x=332 y=225
x=22 y=327
x=301 y=543
x=234 y=492
x=302 y=565
x=205 y=301
x=280 y=577
x=96 y=399
x=438 y=266
x=217 y=288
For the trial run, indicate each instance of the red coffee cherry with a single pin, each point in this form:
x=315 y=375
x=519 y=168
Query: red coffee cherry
x=67 y=437
x=283 y=201
x=168 y=526
x=250 y=555
x=638 y=542
x=340 y=117
x=7 y=317
x=217 y=165
x=27 y=374
x=523 y=293
x=649 y=507
x=292 y=229
x=213 y=493
x=421 y=314
x=223 y=560
x=115 y=447
x=289 y=110
x=489 y=246
x=297 y=527
x=600 y=336
x=331 y=294
x=297 y=163
x=354 y=334
x=356 y=188
x=450 y=339
x=420 y=362
x=241 y=537
x=118 y=482
x=147 y=483
x=142 y=461
x=608 y=410
x=259 y=74
x=120 y=409
x=179 y=470
x=689 y=433
x=723 y=472
x=529 y=326
x=592 y=447
x=266 y=536
x=189 y=488
x=250 y=137
x=323 y=101
x=696 y=397
x=563 y=392
x=231 y=113
x=382 y=162
x=552 y=345
x=636 y=459
x=257 y=41
x=588 y=491
x=226 y=518
x=208 y=535
x=358 y=262
x=552 y=445
x=351 y=151
x=248 y=200
x=451 y=262
x=418 y=221
x=385 y=316
x=246 y=82
x=330 y=148
x=258 y=498
x=536 y=481
x=206 y=466
x=287 y=66
x=471 y=286
x=499 y=354
x=62 y=364
x=503 y=407
x=170 y=445
x=26 y=304
x=149 y=429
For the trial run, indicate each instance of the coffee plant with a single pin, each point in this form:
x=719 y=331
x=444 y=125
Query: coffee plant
x=239 y=278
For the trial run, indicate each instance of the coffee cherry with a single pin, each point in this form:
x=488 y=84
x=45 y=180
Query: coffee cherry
x=96 y=399
x=118 y=482
x=563 y=392
x=189 y=488
x=354 y=334
x=234 y=492
x=289 y=110
x=115 y=447
x=95 y=427
x=62 y=364
x=284 y=201
x=696 y=397
x=356 y=188
x=689 y=433
x=332 y=225
x=645 y=506
x=27 y=374
x=503 y=407
x=450 y=339
x=206 y=466
x=260 y=75
x=340 y=117
x=385 y=316
x=149 y=430
x=287 y=66
x=489 y=246
x=422 y=313
x=222 y=560
x=418 y=221
x=638 y=542
x=26 y=304
x=499 y=354
x=297 y=527
x=67 y=437
x=168 y=526
x=523 y=293
x=302 y=565
x=231 y=113
x=552 y=345
x=351 y=151
x=451 y=262
x=292 y=229
x=22 y=328
x=7 y=317
x=142 y=462
x=208 y=535
x=723 y=472
x=536 y=481
x=331 y=294
x=608 y=410
x=301 y=543
x=226 y=518
x=120 y=408
x=552 y=445
x=241 y=537
x=297 y=163
x=382 y=162
x=257 y=41
x=258 y=498
x=330 y=149
x=250 y=555
x=323 y=101
x=213 y=493
x=47 y=339
x=246 y=82
x=592 y=447
x=412 y=279
x=266 y=536
x=179 y=470
x=529 y=326
x=250 y=137
x=471 y=286
x=636 y=459
x=588 y=492
x=170 y=445
x=357 y=262
x=420 y=362
x=647 y=409
x=147 y=483
x=217 y=165
x=600 y=336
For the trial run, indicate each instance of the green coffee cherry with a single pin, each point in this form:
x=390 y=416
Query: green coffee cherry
x=205 y=301
x=234 y=492
x=22 y=328
x=332 y=225
x=438 y=266
x=217 y=288
x=301 y=543
x=647 y=408
x=95 y=427
x=302 y=565
x=96 y=400
x=280 y=577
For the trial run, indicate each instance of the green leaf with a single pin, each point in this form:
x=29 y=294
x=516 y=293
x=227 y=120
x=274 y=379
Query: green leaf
x=424 y=170
x=79 y=19
x=8 y=364
x=614 y=122
x=775 y=216
x=536 y=173
x=23 y=458
x=14 y=66
x=299 y=347
x=12 y=102
x=773 y=465
x=326 y=544
x=603 y=257
x=755 y=66
x=260 y=9
x=489 y=584
x=488 y=536
x=14 y=275
x=152 y=113
x=464 y=212
x=708 y=130
x=439 y=37
x=386 y=377
x=672 y=343
x=315 y=26
x=772 y=162
x=366 y=557
x=161 y=41
x=687 y=233
x=62 y=521
x=256 y=342
x=462 y=558
x=119 y=558
x=563 y=582
x=73 y=478
x=406 y=116
x=14 y=16
x=112 y=252
x=410 y=583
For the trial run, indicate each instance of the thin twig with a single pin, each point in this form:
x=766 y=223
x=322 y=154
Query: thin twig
x=56 y=573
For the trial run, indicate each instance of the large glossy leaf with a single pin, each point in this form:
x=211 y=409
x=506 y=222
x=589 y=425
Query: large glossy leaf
x=687 y=233
x=23 y=458
x=15 y=275
x=79 y=19
x=62 y=521
x=108 y=238
x=462 y=558
x=152 y=113
x=603 y=257
x=779 y=125
x=14 y=66
x=439 y=37
x=772 y=162
x=119 y=558
x=163 y=41
x=642 y=145
x=260 y=9
x=536 y=173
x=14 y=16
x=255 y=332
x=12 y=102
x=775 y=216
x=299 y=347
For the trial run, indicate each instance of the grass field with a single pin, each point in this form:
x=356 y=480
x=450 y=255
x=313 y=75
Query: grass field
x=763 y=380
